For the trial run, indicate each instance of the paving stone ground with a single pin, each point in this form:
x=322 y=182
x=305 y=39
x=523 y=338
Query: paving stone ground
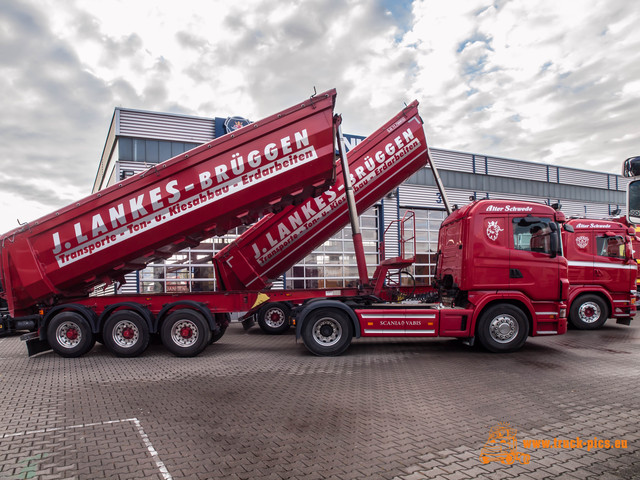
x=261 y=407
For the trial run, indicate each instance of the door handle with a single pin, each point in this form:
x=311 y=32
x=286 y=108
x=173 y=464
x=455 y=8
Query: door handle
x=515 y=273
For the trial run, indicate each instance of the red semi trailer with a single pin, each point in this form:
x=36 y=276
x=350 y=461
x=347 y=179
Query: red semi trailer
x=50 y=265
x=602 y=272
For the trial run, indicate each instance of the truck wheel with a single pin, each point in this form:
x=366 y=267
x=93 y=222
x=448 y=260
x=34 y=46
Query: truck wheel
x=126 y=334
x=273 y=318
x=502 y=328
x=185 y=333
x=70 y=335
x=588 y=312
x=217 y=336
x=327 y=332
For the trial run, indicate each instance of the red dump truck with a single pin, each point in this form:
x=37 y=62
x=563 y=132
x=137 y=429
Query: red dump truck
x=493 y=287
x=602 y=272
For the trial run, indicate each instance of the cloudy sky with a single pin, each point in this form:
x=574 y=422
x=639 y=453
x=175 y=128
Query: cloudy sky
x=547 y=81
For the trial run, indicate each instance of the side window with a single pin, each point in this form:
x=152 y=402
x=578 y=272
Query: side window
x=532 y=236
x=611 y=246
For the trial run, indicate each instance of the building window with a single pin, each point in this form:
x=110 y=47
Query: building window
x=150 y=151
x=333 y=264
x=427 y=227
x=189 y=270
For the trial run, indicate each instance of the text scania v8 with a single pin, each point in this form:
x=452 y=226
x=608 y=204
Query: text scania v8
x=50 y=265
x=602 y=272
x=495 y=286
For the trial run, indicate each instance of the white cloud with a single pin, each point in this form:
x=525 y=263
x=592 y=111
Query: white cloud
x=542 y=81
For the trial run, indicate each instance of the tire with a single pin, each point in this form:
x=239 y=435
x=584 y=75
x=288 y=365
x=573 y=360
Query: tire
x=273 y=318
x=502 y=328
x=69 y=335
x=217 y=336
x=588 y=312
x=327 y=332
x=126 y=334
x=185 y=333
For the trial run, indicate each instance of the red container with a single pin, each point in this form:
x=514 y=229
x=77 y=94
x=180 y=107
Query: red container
x=206 y=191
x=277 y=242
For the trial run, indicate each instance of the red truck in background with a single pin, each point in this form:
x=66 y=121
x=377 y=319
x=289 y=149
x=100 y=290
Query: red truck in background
x=494 y=286
x=602 y=272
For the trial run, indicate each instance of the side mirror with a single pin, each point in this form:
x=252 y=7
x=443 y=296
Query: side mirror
x=554 y=241
x=569 y=228
x=631 y=167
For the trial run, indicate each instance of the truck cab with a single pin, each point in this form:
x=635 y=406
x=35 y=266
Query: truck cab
x=602 y=272
x=499 y=245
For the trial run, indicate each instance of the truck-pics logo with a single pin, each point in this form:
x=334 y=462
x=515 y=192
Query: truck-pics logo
x=502 y=446
x=582 y=241
x=493 y=230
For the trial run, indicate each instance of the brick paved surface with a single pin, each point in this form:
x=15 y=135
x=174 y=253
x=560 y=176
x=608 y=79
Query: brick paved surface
x=261 y=407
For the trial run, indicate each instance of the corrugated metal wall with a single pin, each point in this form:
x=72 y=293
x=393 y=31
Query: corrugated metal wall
x=449 y=160
x=159 y=126
x=390 y=213
x=509 y=168
x=570 y=176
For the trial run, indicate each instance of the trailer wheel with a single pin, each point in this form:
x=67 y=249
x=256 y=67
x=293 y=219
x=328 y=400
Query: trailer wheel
x=126 y=334
x=502 y=328
x=70 y=335
x=273 y=318
x=185 y=333
x=327 y=332
x=588 y=312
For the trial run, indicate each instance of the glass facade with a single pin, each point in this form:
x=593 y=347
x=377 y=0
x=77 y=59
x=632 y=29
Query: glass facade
x=427 y=226
x=189 y=270
x=150 y=151
x=333 y=264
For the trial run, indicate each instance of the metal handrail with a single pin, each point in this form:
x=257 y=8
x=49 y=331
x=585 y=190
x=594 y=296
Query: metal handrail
x=403 y=239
